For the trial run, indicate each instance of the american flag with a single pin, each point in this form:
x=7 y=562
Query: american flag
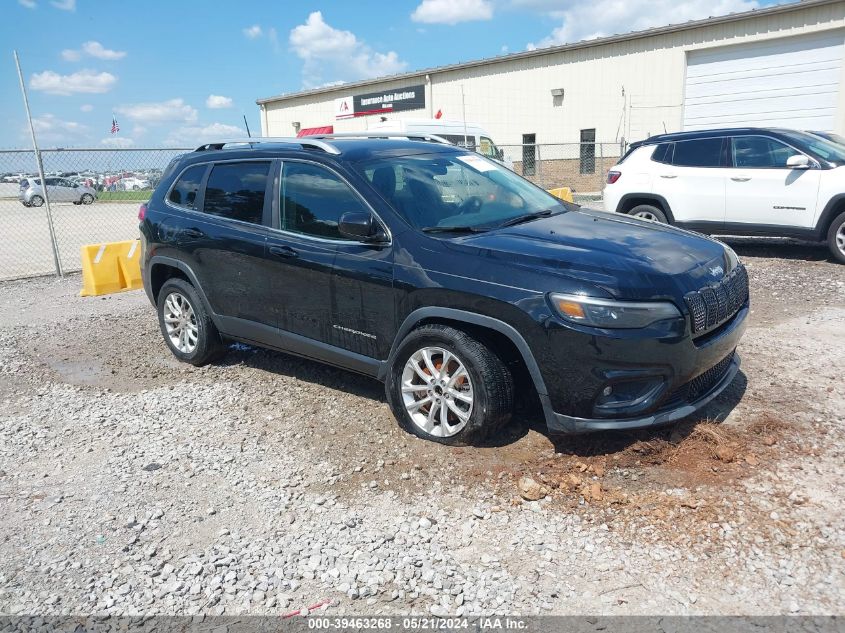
x=115 y=128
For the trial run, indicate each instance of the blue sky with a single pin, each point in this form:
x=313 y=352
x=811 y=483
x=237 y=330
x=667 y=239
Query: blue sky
x=180 y=72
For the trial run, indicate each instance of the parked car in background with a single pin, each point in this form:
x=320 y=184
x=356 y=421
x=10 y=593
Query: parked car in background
x=376 y=255
x=469 y=135
x=744 y=181
x=58 y=189
x=132 y=183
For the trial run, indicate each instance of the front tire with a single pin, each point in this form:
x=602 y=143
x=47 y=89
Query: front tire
x=836 y=238
x=186 y=325
x=649 y=212
x=445 y=386
x=87 y=198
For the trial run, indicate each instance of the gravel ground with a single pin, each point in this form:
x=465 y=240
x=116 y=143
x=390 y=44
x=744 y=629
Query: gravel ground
x=132 y=484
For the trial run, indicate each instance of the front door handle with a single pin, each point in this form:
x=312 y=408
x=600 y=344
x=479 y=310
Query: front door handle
x=195 y=233
x=283 y=251
x=740 y=178
x=668 y=175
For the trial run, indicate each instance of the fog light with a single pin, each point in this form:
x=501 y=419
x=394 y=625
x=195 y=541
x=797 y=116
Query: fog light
x=623 y=398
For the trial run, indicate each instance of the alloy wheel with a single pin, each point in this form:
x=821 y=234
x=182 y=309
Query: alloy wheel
x=646 y=215
x=437 y=391
x=180 y=322
x=840 y=239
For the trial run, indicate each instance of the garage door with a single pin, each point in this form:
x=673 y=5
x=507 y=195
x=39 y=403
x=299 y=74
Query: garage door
x=789 y=82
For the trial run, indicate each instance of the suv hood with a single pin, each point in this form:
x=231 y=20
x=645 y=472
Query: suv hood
x=626 y=257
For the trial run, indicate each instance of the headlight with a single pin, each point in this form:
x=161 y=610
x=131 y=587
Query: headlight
x=607 y=313
x=733 y=258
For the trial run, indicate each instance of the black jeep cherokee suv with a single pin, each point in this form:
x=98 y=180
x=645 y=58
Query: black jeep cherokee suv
x=446 y=276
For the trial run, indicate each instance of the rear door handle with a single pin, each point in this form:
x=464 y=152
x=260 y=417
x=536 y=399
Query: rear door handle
x=668 y=175
x=195 y=233
x=740 y=178
x=283 y=251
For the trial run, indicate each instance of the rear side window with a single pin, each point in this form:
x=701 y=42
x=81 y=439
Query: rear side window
x=313 y=199
x=184 y=192
x=705 y=152
x=663 y=153
x=236 y=191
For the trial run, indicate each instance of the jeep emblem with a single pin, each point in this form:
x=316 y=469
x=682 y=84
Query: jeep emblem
x=716 y=271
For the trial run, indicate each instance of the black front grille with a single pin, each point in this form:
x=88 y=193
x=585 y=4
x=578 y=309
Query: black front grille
x=701 y=384
x=713 y=305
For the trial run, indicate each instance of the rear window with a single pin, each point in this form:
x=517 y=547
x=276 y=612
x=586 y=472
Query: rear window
x=236 y=191
x=184 y=192
x=705 y=152
x=663 y=153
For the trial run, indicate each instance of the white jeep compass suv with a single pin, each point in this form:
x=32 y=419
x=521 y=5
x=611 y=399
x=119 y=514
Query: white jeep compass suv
x=743 y=181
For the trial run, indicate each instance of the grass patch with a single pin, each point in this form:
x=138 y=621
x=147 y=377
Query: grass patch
x=112 y=196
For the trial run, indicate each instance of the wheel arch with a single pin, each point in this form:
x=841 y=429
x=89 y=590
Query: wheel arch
x=832 y=210
x=631 y=200
x=162 y=268
x=472 y=323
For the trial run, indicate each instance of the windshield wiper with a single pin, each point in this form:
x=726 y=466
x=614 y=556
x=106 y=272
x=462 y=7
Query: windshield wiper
x=454 y=229
x=525 y=218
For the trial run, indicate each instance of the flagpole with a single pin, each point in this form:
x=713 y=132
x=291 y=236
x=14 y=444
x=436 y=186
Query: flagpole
x=53 y=243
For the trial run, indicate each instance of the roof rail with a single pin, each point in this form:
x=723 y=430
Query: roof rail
x=305 y=141
x=376 y=134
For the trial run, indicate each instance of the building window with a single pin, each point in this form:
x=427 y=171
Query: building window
x=588 y=151
x=529 y=154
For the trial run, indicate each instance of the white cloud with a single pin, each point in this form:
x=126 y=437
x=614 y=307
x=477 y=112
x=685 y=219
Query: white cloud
x=92 y=49
x=120 y=142
x=64 y=5
x=161 y=112
x=86 y=81
x=95 y=49
x=583 y=21
x=29 y=4
x=452 y=11
x=51 y=129
x=86 y=107
x=215 y=102
x=326 y=50
x=195 y=135
x=253 y=32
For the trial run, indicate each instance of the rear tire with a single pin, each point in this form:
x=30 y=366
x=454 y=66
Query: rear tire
x=472 y=389
x=836 y=238
x=186 y=325
x=649 y=212
x=36 y=201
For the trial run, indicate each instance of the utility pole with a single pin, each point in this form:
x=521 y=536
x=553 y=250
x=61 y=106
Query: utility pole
x=53 y=243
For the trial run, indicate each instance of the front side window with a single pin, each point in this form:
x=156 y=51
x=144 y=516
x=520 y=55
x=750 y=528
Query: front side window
x=705 y=152
x=236 y=191
x=486 y=147
x=458 y=190
x=314 y=199
x=759 y=152
x=184 y=192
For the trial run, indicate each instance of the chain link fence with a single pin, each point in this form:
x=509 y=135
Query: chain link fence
x=92 y=196
x=582 y=167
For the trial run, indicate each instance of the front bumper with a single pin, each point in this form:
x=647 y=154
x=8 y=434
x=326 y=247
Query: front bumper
x=566 y=424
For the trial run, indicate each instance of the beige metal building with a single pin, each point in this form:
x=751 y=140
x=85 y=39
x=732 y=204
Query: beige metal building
x=777 y=66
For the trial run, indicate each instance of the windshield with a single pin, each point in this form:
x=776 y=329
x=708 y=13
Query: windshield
x=822 y=148
x=457 y=190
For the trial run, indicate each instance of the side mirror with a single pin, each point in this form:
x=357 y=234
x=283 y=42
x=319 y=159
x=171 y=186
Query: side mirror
x=798 y=161
x=361 y=226
x=501 y=154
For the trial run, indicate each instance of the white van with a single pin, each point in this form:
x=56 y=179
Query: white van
x=469 y=135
